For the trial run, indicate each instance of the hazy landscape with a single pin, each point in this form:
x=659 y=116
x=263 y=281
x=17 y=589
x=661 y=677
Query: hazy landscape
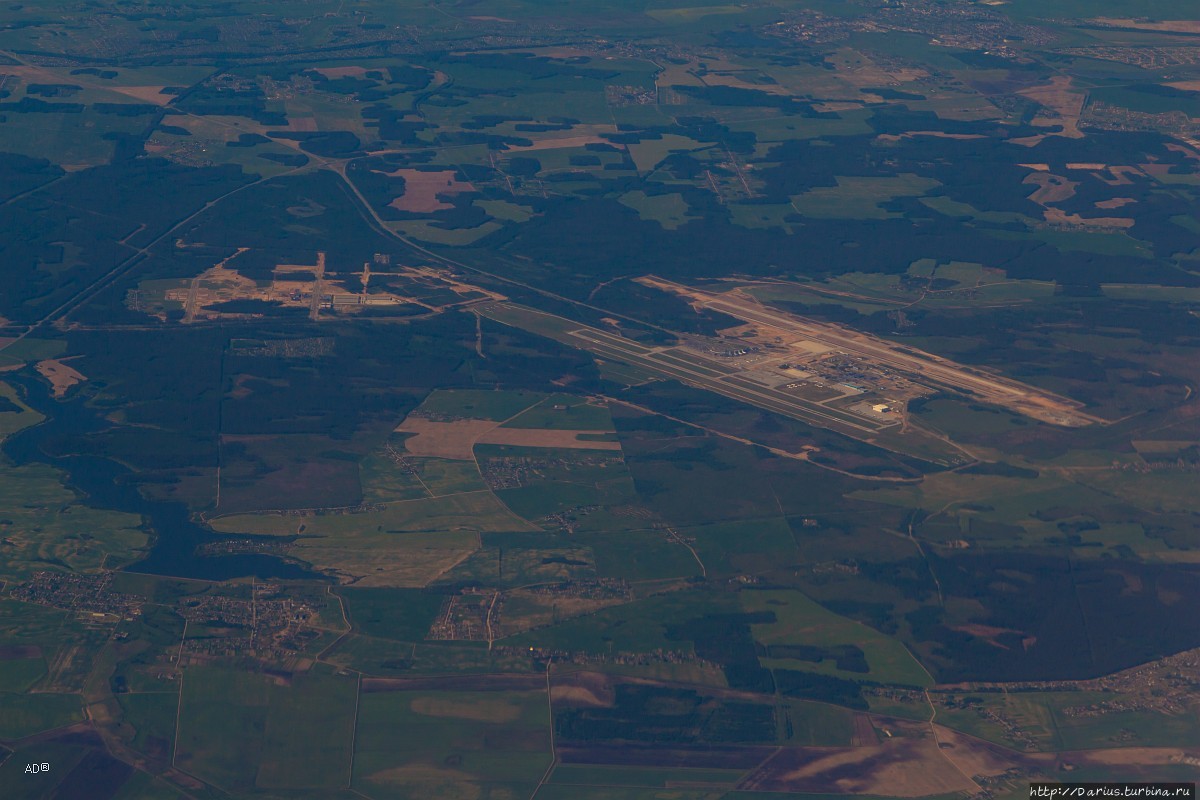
x=605 y=400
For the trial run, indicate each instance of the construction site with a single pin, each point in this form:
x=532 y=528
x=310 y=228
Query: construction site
x=222 y=292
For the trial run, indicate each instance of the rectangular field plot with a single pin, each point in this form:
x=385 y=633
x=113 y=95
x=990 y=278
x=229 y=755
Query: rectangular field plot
x=309 y=733
x=239 y=730
x=222 y=718
x=564 y=412
x=650 y=777
x=478 y=403
x=451 y=744
x=23 y=715
x=807 y=637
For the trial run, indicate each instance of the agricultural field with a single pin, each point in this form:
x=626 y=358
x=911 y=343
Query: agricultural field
x=431 y=742
x=272 y=736
x=607 y=400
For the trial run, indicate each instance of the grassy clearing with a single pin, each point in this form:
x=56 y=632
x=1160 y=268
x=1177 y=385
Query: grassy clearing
x=762 y=216
x=811 y=724
x=1000 y=511
x=800 y=293
x=143 y=786
x=501 y=564
x=468 y=511
x=802 y=621
x=388 y=658
x=152 y=716
x=1127 y=728
x=14 y=414
x=561 y=792
x=389 y=559
x=786 y=128
x=453 y=237
x=434 y=744
x=637 y=627
x=384 y=480
x=23 y=715
x=1100 y=242
x=18 y=674
x=869 y=292
x=309 y=733
x=956 y=488
x=45 y=527
x=564 y=412
x=58 y=637
x=239 y=729
x=649 y=153
x=732 y=548
x=31 y=349
x=640 y=555
x=954 y=208
x=1169 y=294
x=860 y=198
x=478 y=403
x=502 y=210
x=650 y=777
x=1053 y=721
x=445 y=477
x=371 y=655
x=403 y=614
x=73 y=139
x=904 y=709
x=222 y=717
x=668 y=210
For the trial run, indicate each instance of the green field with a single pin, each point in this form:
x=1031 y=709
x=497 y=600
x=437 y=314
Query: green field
x=18 y=674
x=425 y=744
x=504 y=520
x=478 y=404
x=309 y=734
x=588 y=775
x=35 y=786
x=23 y=715
x=46 y=525
x=475 y=510
x=222 y=720
x=817 y=724
x=800 y=620
x=153 y=717
x=668 y=210
x=240 y=730
x=1057 y=721
x=564 y=412
x=12 y=420
x=403 y=614
x=67 y=645
x=383 y=480
x=743 y=547
x=31 y=348
x=442 y=476
x=860 y=198
x=639 y=626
